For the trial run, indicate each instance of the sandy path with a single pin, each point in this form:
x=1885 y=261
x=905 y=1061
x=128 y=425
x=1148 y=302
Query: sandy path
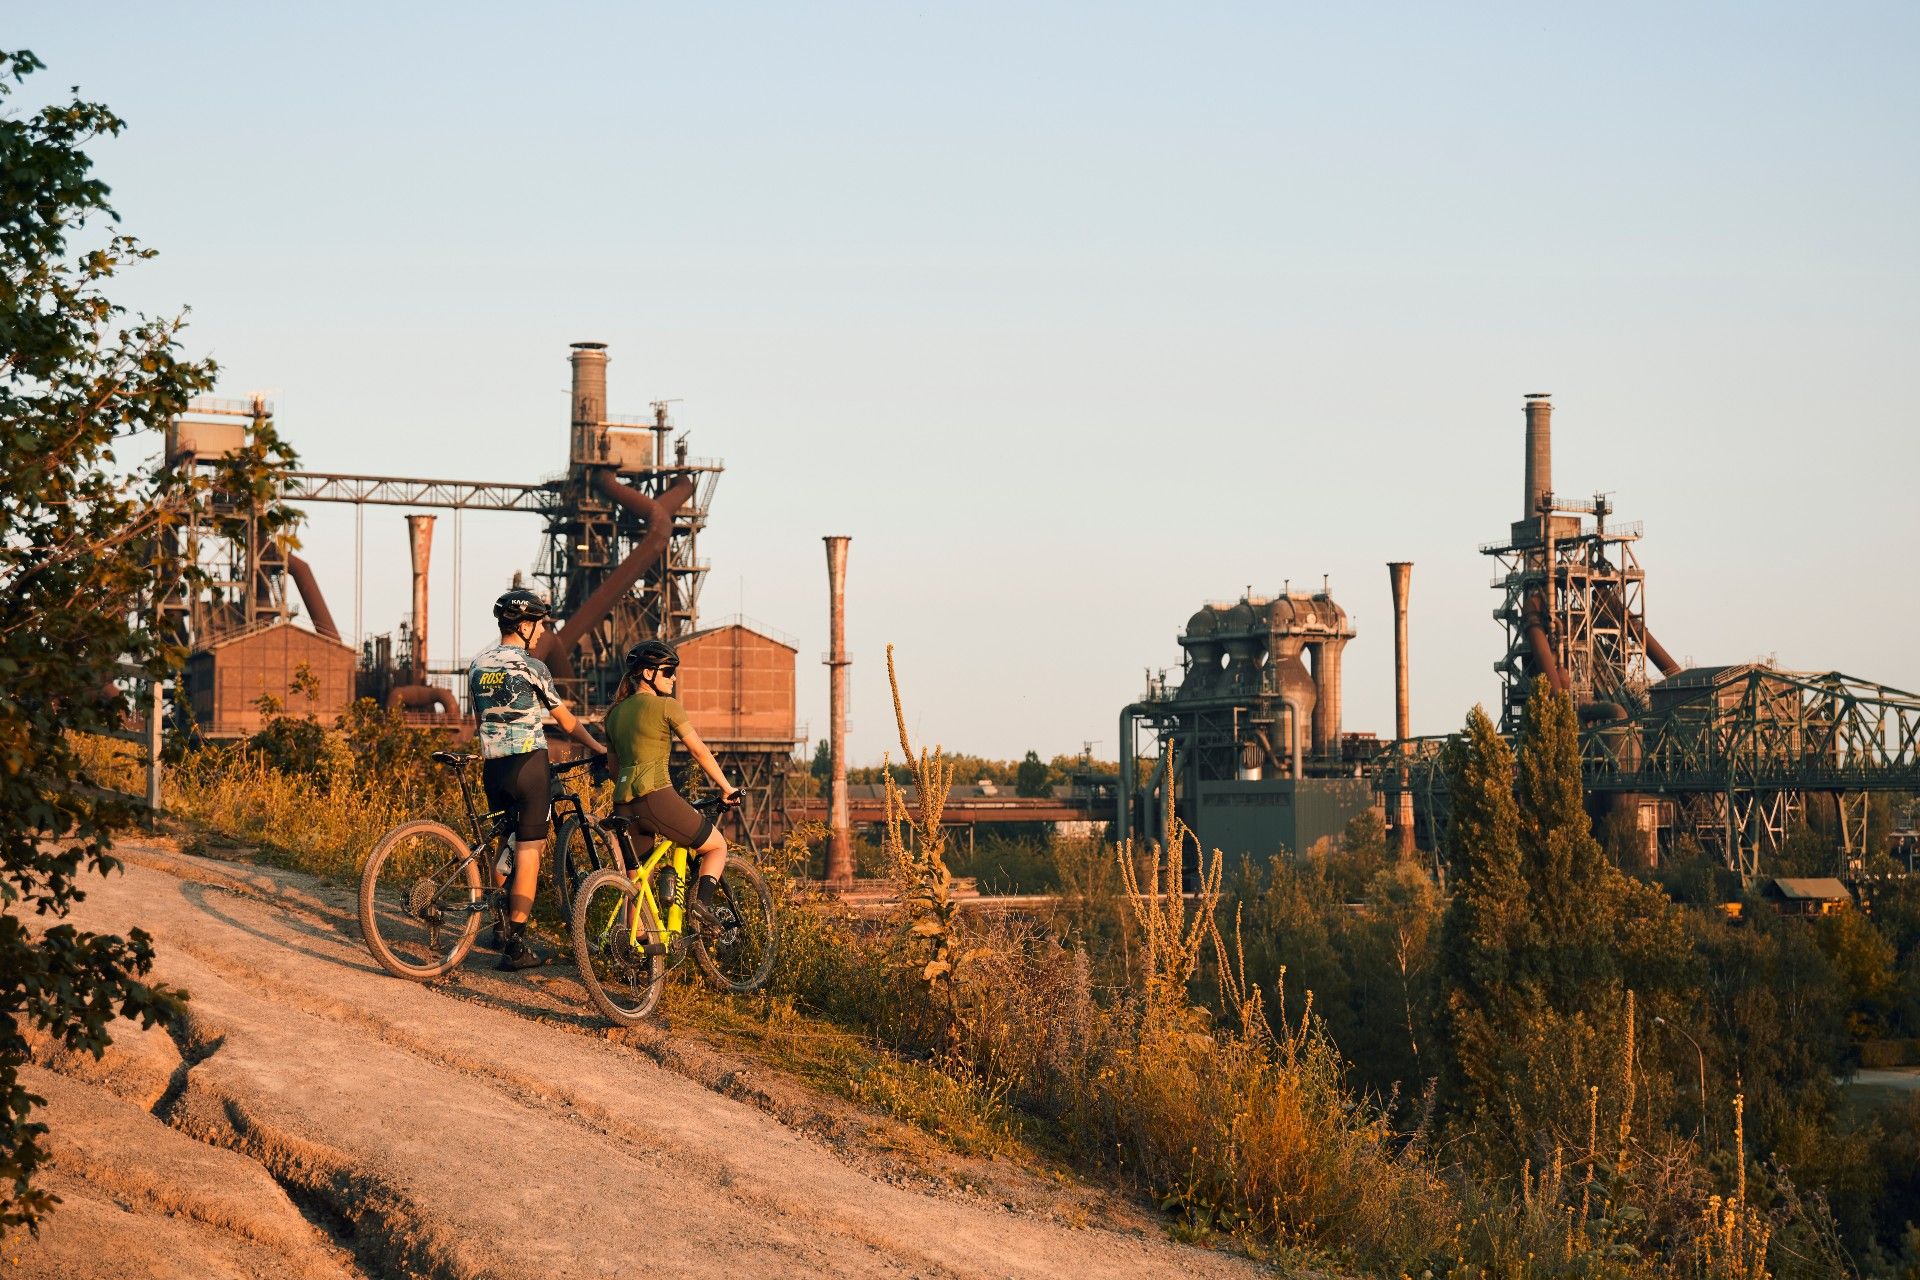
x=459 y=1132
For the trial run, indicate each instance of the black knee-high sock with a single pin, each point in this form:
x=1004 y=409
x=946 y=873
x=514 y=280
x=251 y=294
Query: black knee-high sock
x=704 y=890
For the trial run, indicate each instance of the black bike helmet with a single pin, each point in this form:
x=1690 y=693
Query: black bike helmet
x=521 y=604
x=652 y=654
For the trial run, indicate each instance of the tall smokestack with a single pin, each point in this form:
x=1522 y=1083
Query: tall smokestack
x=1539 y=452
x=420 y=540
x=589 y=360
x=839 y=822
x=1400 y=575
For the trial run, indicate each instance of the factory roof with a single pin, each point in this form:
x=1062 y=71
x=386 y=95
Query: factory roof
x=264 y=627
x=1809 y=889
x=742 y=624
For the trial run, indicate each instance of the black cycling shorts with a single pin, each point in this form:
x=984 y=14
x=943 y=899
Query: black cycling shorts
x=666 y=813
x=522 y=785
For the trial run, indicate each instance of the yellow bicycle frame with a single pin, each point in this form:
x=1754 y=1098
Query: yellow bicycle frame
x=675 y=918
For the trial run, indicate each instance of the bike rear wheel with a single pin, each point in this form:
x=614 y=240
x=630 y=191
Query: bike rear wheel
x=740 y=956
x=578 y=852
x=623 y=982
x=420 y=900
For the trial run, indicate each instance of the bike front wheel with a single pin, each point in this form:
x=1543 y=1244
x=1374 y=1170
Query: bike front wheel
x=420 y=900
x=578 y=852
x=738 y=952
x=622 y=980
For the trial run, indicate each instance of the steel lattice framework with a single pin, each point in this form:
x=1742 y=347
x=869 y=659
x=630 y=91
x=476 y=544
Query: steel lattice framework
x=1741 y=751
x=400 y=491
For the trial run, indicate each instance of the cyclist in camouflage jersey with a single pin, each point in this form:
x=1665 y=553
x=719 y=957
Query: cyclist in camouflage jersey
x=512 y=693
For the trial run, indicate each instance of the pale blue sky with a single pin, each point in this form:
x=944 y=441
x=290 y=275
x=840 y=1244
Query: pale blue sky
x=1075 y=316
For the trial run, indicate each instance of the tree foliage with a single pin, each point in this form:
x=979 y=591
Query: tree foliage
x=1542 y=941
x=79 y=544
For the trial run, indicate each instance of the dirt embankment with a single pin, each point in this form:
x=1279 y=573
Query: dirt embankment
x=314 y=1117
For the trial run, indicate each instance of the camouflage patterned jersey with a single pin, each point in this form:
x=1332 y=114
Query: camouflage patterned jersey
x=511 y=691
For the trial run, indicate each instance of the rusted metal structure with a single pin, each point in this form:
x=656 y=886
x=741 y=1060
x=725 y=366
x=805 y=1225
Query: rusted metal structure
x=1733 y=756
x=1259 y=761
x=1574 y=603
x=620 y=560
x=234 y=613
x=839 y=820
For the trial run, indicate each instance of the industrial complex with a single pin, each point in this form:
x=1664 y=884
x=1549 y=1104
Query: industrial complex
x=1249 y=747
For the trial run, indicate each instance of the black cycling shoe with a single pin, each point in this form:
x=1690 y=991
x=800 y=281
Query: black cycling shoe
x=522 y=952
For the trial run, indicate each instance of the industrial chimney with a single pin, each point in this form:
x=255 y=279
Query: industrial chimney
x=589 y=360
x=839 y=822
x=1539 y=452
x=420 y=540
x=1400 y=575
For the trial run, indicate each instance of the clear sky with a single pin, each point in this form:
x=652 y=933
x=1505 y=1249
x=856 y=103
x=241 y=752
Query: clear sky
x=1074 y=316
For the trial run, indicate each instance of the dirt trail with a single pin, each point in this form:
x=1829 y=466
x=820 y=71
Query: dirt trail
x=352 y=1124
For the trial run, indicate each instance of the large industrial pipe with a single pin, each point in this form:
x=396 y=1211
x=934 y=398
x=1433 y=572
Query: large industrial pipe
x=1539 y=452
x=420 y=541
x=839 y=823
x=1326 y=697
x=557 y=649
x=1658 y=652
x=1400 y=577
x=1533 y=617
x=1123 y=797
x=309 y=588
x=1295 y=731
x=589 y=360
x=424 y=697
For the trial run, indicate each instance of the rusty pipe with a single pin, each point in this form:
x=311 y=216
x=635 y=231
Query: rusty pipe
x=839 y=824
x=420 y=541
x=1534 y=620
x=557 y=649
x=423 y=697
x=309 y=588
x=1400 y=578
x=1658 y=652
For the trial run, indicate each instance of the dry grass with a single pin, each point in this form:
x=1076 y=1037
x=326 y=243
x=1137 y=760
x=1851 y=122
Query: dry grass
x=1083 y=1036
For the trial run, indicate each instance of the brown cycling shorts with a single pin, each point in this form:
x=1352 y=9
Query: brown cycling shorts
x=666 y=813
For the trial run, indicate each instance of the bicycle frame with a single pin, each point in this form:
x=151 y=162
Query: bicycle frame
x=670 y=924
x=487 y=825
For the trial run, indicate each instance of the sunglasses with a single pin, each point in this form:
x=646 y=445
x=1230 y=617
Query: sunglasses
x=667 y=671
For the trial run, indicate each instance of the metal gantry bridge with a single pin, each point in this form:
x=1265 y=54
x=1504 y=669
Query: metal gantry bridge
x=1741 y=751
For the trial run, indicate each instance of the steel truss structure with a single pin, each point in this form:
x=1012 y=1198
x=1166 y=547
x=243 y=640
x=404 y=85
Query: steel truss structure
x=1742 y=751
x=1573 y=608
x=239 y=581
x=399 y=491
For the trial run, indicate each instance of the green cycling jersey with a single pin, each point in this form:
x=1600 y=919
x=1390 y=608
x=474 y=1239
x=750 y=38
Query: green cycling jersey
x=640 y=732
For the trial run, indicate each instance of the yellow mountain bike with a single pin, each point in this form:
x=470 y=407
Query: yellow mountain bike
x=633 y=923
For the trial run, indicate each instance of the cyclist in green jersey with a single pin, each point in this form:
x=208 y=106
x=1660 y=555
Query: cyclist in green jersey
x=641 y=726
